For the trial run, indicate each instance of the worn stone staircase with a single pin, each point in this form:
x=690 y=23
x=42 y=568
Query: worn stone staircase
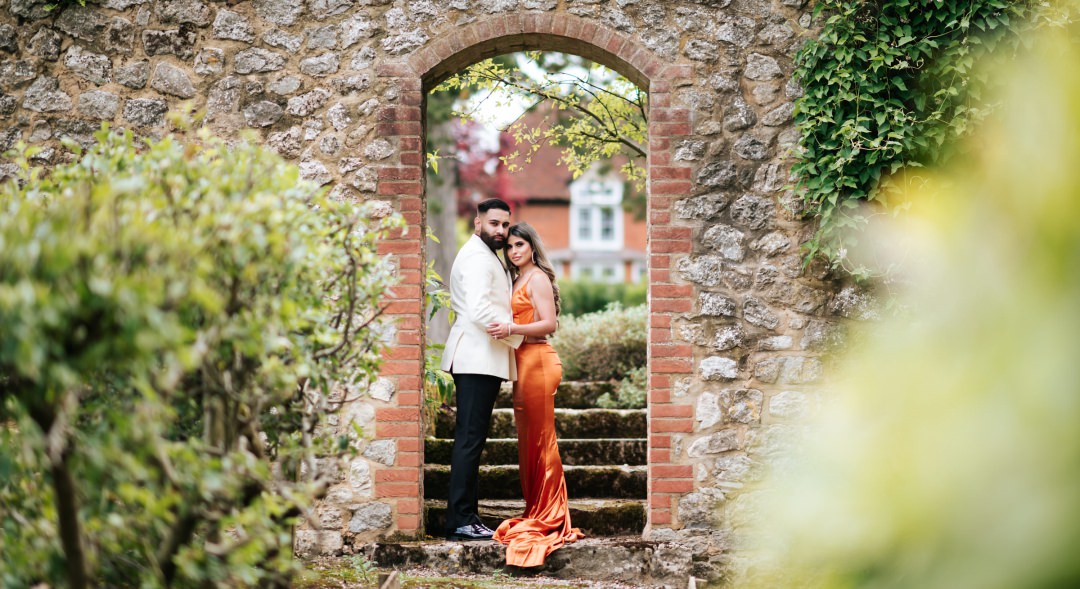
x=604 y=458
x=603 y=453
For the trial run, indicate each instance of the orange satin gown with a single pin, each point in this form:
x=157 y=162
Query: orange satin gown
x=545 y=526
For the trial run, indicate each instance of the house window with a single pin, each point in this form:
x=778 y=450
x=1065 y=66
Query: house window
x=607 y=224
x=596 y=222
x=585 y=224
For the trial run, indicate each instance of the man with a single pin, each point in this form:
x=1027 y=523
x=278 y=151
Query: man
x=480 y=291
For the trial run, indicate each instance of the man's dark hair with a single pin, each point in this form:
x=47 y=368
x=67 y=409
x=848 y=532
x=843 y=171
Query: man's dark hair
x=492 y=203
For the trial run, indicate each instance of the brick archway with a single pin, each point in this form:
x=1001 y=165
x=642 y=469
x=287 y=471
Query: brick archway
x=402 y=181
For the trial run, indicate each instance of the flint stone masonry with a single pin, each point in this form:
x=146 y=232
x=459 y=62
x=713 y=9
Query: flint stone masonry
x=44 y=95
x=170 y=79
x=99 y=105
x=134 y=75
x=738 y=327
x=145 y=112
x=90 y=66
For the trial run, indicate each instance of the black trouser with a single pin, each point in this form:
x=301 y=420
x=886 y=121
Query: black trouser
x=475 y=399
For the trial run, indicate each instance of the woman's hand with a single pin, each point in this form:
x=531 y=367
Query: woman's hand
x=498 y=330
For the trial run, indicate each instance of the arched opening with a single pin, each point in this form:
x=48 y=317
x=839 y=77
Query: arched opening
x=563 y=141
x=403 y=126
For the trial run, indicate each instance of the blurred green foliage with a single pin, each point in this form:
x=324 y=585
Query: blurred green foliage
x=890 y=85
x=579 y=297
x=605 y=345
x=630 y=393
x=948 y=454
x=179 y=321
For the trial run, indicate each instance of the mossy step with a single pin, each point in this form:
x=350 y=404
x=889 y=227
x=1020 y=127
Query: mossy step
x=595 y=517
x=597 y=451
x=571 y=394
x=626 y=559
x=575 y=424
x=503 y=482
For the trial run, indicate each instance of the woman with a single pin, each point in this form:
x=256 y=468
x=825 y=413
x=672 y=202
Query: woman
x=545 y=525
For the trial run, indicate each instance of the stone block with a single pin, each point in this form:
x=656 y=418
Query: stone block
x=757 y=313
x=45 y=95
x=381 y=451
x=322 y=37
x=728 y=337
x=183 y=11
x=169 y=79
x=719 y=368
x=762 y=67
x=258 y=60
x=94 y=67
x=716 y=304
x=284 y=85
x=179 y=42
x=98 y=105
x=279 y=12
x=320 y=66
x=17 y=73
x=315 y=171
x=717 y=443
x=9 y=40
x=31 y=9
x=726 y=241
x=741 y=405
x=145 y=112
x=371 y=517
x=210 y=61
x=355 y=29
x=106 y=34
x=720 y=174
x=133 y=75
x=263 y=113
x=283 y=39
x=404 y=42
x=46 y=44
x=306 y=104
x=753 y=212
x=233 y=26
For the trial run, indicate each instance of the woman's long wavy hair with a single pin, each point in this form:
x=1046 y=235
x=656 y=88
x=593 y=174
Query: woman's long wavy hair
x=526 y=232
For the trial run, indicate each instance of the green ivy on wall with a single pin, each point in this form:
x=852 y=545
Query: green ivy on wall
x=890 y=84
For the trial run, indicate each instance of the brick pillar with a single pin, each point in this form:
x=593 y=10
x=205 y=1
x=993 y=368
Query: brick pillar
x=401 y=182
x=667 y=360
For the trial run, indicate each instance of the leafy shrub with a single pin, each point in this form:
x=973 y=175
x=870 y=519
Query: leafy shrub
x=178 y=323
x=891 y=85
x=605 y=345
x=629 y=394
x=579 y=297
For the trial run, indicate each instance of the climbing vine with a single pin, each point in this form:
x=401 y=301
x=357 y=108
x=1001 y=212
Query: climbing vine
x=891 y=84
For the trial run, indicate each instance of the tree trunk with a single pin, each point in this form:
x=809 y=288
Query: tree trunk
x=441 y=217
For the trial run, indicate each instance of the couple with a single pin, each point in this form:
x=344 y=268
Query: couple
x=500 y=333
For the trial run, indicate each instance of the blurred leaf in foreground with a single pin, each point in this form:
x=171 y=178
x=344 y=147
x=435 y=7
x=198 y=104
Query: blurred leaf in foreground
x=948 y=455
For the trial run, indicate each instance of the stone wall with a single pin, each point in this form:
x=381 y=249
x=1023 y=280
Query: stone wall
x=737 y=325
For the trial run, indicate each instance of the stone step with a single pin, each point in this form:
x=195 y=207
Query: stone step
x=595 y=451
x=502 y=482
x=595 y=517
x=627 y=559
x=571 y=395
x=569 y=423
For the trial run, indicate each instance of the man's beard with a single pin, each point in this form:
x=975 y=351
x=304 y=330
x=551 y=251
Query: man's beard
x=493 y=242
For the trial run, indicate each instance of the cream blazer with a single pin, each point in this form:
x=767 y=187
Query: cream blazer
x=480 y=291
